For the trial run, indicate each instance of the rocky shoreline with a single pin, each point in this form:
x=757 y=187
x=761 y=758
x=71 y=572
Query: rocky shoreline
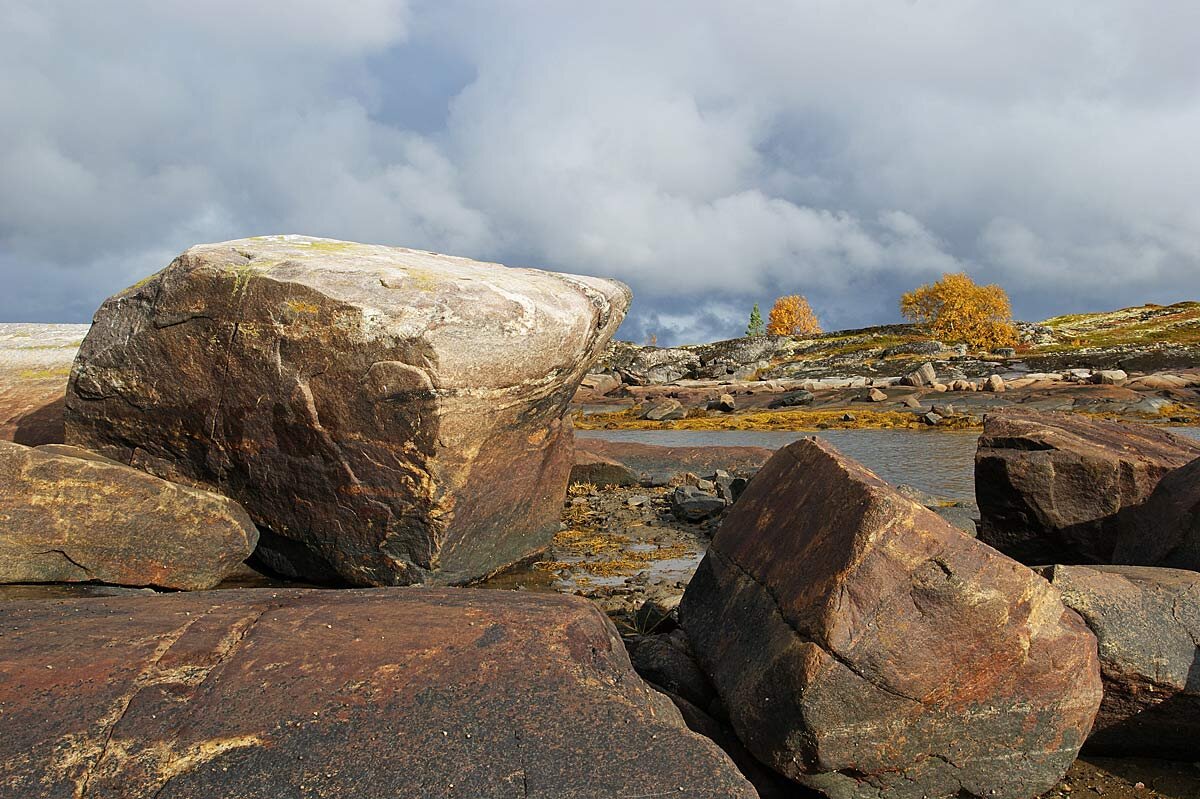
x=233 y=509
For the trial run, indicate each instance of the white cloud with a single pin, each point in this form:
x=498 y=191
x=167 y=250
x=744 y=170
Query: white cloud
x=710 y=153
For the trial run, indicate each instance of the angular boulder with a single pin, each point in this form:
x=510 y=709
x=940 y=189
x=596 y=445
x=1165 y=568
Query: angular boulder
x=601 y=471
x=924 y=376
x=866 y=648
x=664 y=410
x=386 y=415
x=1050 y=484
x=68 y=515
x=1165 y=529
x=1147 y=621
x=256 y=694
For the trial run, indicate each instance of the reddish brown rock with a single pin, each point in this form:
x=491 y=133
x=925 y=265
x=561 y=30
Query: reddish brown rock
x=68 y=515
x=866 y=648
x=1165 y=529
x=35 y=361
x=386 y=415
x=1049 y=484
x=1147 y=621
x=600 y=470
x=374 y=694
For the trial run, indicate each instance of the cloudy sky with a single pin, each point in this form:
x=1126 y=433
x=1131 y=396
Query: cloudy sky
x=709 y=153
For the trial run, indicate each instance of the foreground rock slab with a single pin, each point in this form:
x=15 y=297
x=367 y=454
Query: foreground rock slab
x=254 y=694
x=386 y=415
x=1147 y=621
x=68 y=515
x=866 y=648
x=1049 y=485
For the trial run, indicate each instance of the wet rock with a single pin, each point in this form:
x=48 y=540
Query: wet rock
x=601 y=471
x=386 y=415
x=1049 y=484
x=995 y=384
x=725 y=403
x=72 y=516
x=942 y=410
x=255 y=694
x=1147 y=621
x=864 y=647
x=925 y=376
x=792 y=399
x=931 y=419
x=1165 y=529
x=692 y=504
x=1109 y=377
x=848 y=417
x=664 y=410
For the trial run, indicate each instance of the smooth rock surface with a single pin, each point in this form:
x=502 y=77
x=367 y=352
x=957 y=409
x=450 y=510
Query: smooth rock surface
x=1049 y=484
x=866 y=648
x=68 y=515
x=386 y=415
x=599 y=470
x=372 y=694
x=1165 y=529
x=1147 y=621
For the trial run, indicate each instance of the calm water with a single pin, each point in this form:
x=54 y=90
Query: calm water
x=940 y=462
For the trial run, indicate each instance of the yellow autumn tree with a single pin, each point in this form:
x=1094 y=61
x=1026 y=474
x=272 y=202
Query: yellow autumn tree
x=792 y=316
x=958 y=310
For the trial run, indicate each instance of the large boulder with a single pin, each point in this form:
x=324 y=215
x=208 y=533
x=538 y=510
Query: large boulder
x=1147 y=621
x=386 y=415
x=1050 y=484
x=67 y=515
x=374 y=694
x=1165 y=529
x=866 y=648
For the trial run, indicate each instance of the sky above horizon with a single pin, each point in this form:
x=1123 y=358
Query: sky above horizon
x=711 y=154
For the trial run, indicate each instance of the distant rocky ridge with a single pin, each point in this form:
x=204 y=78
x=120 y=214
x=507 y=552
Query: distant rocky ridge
x=1143 y=339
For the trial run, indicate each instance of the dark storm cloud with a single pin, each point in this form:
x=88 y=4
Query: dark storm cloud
x=711 y=154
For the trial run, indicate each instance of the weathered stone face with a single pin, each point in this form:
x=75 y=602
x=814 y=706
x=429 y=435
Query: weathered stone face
x=377 y=694
x=1165 y=529
x=67 y=515
x=866 y=648
x=386 y=415
x=1050 y=484
x=1147 y=621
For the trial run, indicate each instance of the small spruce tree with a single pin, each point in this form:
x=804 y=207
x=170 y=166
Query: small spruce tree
x=755 y=328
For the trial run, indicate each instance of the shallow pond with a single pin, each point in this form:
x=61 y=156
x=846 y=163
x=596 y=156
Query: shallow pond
x=940 y=462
